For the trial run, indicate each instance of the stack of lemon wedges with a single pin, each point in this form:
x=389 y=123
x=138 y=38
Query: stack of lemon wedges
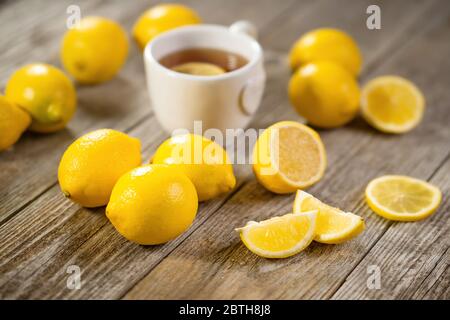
x=284 y=236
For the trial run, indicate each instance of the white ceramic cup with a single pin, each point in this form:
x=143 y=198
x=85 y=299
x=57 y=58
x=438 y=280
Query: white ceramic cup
x=225 y=101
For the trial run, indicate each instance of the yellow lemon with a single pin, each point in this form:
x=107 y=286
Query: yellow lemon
x=199 y=69
x=93 y=163
x=280 y=237
x=161 y=18
x=95 y=50
x=402 y=198
x=288 y=156
x=46 y=93
x=205 y=162
x=392 y=104
x=152 y=204
x=13 y=122
x=327 y=45
x=325 y=94
x=333 y=225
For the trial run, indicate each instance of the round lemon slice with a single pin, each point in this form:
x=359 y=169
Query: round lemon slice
x=288 y=156
x=402 y=198
x=392 y=104
x=333 y=225
x=280 y=237
x=199 y=69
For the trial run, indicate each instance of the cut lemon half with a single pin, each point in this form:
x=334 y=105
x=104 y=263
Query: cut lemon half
x=333 y=225
x=392 y=104
x=288 y=156
x=402 y=198
x=280 y=237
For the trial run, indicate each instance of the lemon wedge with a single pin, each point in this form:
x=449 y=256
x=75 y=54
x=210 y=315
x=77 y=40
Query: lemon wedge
x=392 y=104
x=402 y=198
x=288 y=156
x=333 y=225
x=280 y=237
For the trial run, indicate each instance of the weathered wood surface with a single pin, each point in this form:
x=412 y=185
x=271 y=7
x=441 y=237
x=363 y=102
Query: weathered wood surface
x=42 y=233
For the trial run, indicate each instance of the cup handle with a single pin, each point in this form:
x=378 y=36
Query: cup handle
x=245 y=27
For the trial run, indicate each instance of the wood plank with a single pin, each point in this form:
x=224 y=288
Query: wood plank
x=119 y=104
x=407 y=255
x=214 y=263
x=55 y=228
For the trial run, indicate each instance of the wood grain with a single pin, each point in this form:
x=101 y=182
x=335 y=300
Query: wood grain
x=29 y=168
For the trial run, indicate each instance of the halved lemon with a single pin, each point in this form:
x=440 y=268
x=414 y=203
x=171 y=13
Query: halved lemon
x=392 y=104
x=280 y=237
x=333 y=225
x=402 y=198
x=288 y=156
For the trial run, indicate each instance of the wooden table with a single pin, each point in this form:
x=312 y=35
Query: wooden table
x=42 y=233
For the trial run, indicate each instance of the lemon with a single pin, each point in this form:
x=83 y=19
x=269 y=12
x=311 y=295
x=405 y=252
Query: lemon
x=280 y=237
x=327 y=44
x=161 y=18
x=325 y=94
x=152 y=204
x=93 y=163
x=205 y=162
x=199 y=69
x=13 y=122
x=46 y=93
x=95 y=50
x=392 y=104
x=333 y=225
x=288 y=156
x=402 y=198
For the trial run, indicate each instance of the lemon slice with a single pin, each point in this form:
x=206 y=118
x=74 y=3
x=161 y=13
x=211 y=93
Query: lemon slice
x=402 y=198
x=199 y=69
x=280 y=237
x=392 y=104
x=333 y=225
x=288 y=156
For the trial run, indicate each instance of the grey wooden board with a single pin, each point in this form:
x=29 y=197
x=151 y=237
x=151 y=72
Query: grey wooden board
x=43 y=233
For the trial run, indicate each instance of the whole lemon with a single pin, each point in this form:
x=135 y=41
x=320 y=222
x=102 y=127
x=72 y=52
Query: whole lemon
x=205 y=162
x=46 y=93
x=327 y=44
x=325 y=94
x=13 y=122
x=162 y=18
x=95 y=50
x=152 y=204
x=93 y=163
